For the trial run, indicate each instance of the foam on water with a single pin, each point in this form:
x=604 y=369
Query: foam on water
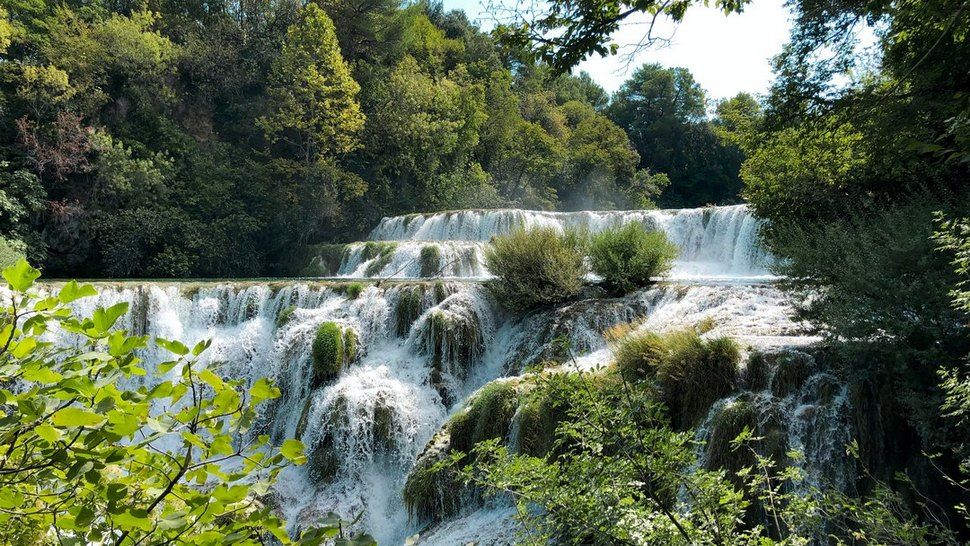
x=377 y=416
x=426 y=346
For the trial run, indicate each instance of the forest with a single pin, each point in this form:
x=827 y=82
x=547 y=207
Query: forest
x=549 y=314
x=211 y=139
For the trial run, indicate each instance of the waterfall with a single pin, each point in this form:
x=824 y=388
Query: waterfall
x=713 y=241
x=423 y=346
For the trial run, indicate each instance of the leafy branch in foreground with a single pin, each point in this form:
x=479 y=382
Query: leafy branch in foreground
x=563 y=33
x=619 y=474
x=94 y=450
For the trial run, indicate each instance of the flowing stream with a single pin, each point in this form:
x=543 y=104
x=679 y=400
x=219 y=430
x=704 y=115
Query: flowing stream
x=424 y=345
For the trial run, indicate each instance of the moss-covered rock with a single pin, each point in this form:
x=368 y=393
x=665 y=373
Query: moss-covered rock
x=334 y=346
x=430 y=260
x=323 y=461
x=791 y=370
x=327 y=351
x=757 y=372
x=285 y=315
x=432 y=491
x=351 y=345
x=690 y=372
x=380 y=253
x=729 y=421
x=325 y=260
x=410 y=305
x=453 y=340
x=487 y=415
x=440 y=292
x=536 y=421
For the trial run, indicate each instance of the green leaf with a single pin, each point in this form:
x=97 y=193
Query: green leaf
x=72 y=291
x=175 y=347
x=263 y=389
x=293 y=451
x=21 y=276
x=23 y=347
x=47 y=432
x=212 y=380
x=41 y=374
x=104 y=319
x=76 y=417
x=130 y=520
x=201 y=346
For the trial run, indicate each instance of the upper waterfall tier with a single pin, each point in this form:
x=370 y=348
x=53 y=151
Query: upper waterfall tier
x=714 y=241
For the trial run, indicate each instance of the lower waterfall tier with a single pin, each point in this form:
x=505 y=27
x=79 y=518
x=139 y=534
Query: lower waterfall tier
x=402 y=358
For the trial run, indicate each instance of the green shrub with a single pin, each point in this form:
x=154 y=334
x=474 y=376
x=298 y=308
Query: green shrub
x=430 y=260
x=690 y=373
x=353 y=290
x=328 y=352
x=488 y=415
x=535 y=268
x=629 y=256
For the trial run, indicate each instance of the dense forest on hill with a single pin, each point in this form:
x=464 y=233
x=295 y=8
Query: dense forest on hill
x=174 y=139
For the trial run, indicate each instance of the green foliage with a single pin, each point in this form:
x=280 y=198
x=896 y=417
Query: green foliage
x=353 y=290
x=486 y=416
x=802 y=168
x=954 y=237
x=618 y=481
x=628 y=257
x=10 y=252
x=563 y=34
x=534 y=268
x=430 y=260
x=314 y=93
x=663 y=110
x=690 y=373
x=327 y=352
x=78 y=464
x=193 y=141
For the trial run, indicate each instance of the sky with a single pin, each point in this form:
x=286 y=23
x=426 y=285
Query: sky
x=726 y=54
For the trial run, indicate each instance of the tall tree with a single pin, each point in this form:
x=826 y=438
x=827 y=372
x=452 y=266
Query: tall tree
x=316 y=109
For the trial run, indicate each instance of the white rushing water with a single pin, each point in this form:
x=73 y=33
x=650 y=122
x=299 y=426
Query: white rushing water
x=715 y=242
x=374 y=419
x=425 y=346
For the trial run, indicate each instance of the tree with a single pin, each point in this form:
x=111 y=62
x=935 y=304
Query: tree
x=562 y=33
x=616 y=472
x=663 y=110
x=92 y=456
x=314 y=96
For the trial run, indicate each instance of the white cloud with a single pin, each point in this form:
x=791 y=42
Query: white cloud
x=726 y=54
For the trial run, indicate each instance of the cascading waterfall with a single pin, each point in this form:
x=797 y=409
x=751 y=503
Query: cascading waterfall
x=714 y=241
x=424 y=346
